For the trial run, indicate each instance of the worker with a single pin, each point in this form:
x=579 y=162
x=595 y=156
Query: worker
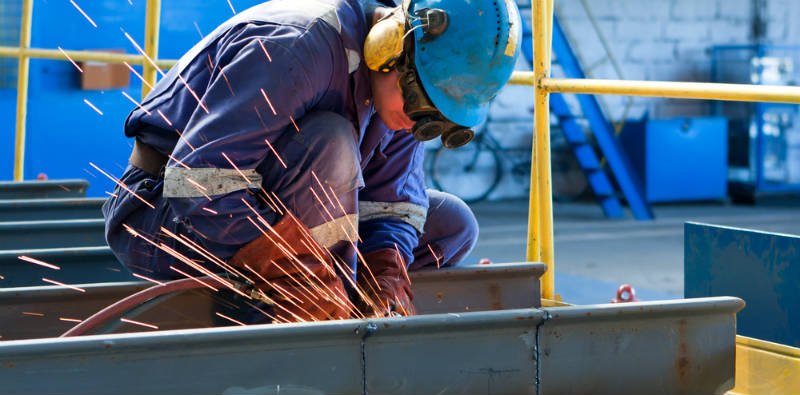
x=286 y=148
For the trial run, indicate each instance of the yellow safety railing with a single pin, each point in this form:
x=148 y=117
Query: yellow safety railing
x=149 y=60
x=540 y=222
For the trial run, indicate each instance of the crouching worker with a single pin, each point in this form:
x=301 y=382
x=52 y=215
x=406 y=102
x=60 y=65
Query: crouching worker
x=286 y=149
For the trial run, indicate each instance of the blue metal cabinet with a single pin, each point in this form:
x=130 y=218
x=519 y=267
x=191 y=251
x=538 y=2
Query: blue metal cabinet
x=679 y=159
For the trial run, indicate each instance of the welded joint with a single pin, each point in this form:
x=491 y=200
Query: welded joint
x=367 y=331
x=537 y=352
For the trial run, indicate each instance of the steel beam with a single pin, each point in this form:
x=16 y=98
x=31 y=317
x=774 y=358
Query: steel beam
x=52 y=234
x=43 y=189
x=594 y=349
x=448 y=290
x=50 y=209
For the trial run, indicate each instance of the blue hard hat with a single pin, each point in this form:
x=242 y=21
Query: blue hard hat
x=462 y=69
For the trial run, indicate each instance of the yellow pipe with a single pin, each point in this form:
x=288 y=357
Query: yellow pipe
x=22 y=90
x=80 y=56
x=540 y=214
x=151 y=26
x=677 y=90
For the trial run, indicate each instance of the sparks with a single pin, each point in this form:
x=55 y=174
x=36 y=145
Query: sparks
x=231 y=5
x=276 y=154
x=33 y=314
x=295 y=124
x=231 y=319
x=47 y=280
x=122 y=184
x=139 y=76
x=147 y=279
x=197 y=27
x=237 y=168
x=143 y=53
x=210 y=211
x=144 y=324
x=164 y=117
x=83 y=13
x=88 y=103
x=434 y=255
x=69 y=319
x=38 y=262
x=135 y=103
x=70 y=60
x=193 y=278
x=114 y=195
x=264 y=48
x=268 y=102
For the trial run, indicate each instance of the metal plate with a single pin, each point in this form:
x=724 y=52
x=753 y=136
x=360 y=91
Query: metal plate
x=52 y=234
x=50 y=209
x=43 y=189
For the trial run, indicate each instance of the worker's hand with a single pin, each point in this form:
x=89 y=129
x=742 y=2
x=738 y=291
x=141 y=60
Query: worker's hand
x=385 y=285
x=294 y=273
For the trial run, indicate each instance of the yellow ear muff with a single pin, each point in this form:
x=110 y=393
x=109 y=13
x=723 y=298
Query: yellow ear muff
x=384 y=44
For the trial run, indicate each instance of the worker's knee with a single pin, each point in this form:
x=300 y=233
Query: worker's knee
x=451 y=231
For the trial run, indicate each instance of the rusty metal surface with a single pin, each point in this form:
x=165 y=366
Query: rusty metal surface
x=51 y=234
x=79 y=265
x=676 y=347
x=450 y=290
x=43 y=189
x=50 y=209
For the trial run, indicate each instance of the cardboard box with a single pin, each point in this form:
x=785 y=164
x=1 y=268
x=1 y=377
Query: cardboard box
x=100 y=76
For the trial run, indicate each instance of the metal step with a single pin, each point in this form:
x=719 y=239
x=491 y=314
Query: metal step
x=52 y=234
x=50 y=209
x=78 y=265
x=43 y=189
x=34 y=312
x=676 y=347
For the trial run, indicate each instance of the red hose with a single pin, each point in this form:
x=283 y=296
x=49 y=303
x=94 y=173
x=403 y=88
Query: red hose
x=137 y=299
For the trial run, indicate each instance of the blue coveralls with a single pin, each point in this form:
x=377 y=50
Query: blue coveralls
x=278 y=98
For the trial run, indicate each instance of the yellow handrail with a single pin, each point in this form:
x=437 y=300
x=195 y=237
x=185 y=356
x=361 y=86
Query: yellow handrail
x=151 y=28
x=22 y=89
x=80 y=56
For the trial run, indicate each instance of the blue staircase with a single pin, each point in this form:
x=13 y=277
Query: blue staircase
x=603 y=133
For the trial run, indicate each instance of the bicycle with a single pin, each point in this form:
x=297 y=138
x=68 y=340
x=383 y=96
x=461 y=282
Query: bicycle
x=474 y=171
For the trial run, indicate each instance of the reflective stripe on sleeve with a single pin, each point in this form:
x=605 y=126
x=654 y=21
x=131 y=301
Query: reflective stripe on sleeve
x=412 y=214
x=180 y=182
x=340 y=229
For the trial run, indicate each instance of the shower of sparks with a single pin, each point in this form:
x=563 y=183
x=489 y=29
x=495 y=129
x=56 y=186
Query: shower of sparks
x=434 y=256
x=194 y=94
x=70 y=60
x=136 y=103
x=147 y=279
x=276 y=154
x=47 y=280
x=144 y=324
x=88 y=103
x=122 y=184
x=33 y=314
x=231 y=319
x=268 y=102
x=139 y=76
x=187 y=275
x=295 y=124
x=231 y=5
x=69 y=319
x=237 y=168
x=178 y=161
x=210 y=211
x=114 y=195
x=38 y=262
x=83 y=13
x=264 y=48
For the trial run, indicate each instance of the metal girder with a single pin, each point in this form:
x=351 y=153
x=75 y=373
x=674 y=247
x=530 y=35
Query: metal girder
x=43 y=189
x=52 y=234
x=50 y=209
x=448 y=290
x=590 y=349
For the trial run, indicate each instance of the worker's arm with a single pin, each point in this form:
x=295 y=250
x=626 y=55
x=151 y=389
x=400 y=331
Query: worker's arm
x=393 y=204
x=253 y=96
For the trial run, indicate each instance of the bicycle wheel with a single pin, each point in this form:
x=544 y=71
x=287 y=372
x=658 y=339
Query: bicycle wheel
x=470 y=172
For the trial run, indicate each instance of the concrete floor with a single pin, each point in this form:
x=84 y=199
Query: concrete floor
x=595 y=255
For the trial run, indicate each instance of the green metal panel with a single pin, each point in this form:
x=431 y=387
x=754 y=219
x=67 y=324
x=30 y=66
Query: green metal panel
x=43 y=189
x=50 y=209
x=52 y=234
